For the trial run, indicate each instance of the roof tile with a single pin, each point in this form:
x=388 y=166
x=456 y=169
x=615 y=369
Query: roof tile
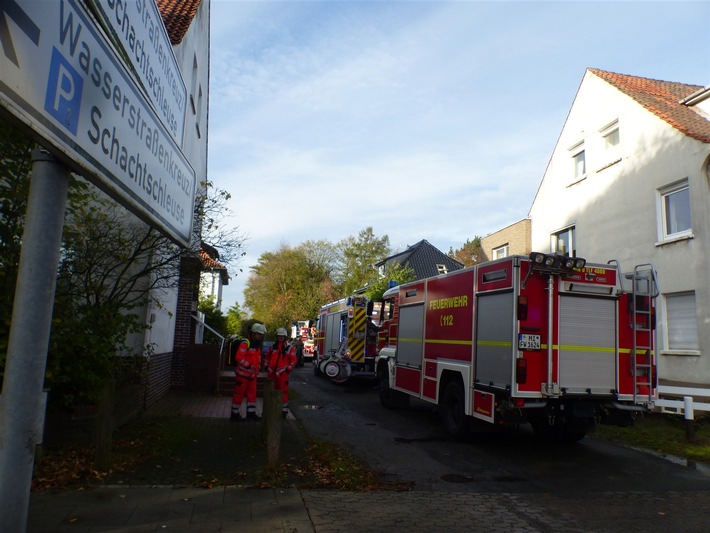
x=177 y=16
x=663 y=99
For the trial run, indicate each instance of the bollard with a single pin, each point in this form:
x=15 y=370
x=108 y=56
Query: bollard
x=272 y=423
x=689 y=416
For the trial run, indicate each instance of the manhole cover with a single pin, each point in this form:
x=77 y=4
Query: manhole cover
x=457 y=478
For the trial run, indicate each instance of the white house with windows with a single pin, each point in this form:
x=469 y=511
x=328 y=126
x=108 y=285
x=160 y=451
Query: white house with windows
x=628 y=180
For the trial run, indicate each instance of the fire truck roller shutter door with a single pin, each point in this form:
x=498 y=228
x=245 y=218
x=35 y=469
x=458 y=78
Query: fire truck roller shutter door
x=494 y=338
x=588 y=333
x=410 y=336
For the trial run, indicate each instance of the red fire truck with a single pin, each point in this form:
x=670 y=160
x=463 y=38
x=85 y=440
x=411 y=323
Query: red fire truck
x=303 y=329
x=346 y=340
x=543 y=339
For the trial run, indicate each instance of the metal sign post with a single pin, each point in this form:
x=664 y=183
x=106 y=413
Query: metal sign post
x=21 y=402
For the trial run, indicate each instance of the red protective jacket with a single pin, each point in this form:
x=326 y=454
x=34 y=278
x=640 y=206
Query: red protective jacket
x=248 y=361
x=281 y=358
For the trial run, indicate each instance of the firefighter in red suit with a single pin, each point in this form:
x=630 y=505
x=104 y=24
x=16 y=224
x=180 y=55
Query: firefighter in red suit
x=248 y=364
x=280 y=361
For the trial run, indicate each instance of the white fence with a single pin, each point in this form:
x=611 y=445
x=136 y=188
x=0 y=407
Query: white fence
x=682 y=400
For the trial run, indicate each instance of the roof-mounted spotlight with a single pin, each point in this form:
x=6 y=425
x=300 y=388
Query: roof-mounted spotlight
x=537 y=257
x=556 y=263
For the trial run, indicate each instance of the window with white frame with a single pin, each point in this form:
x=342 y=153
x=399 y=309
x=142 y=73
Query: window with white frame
x=681 y=321
x=611 y=139
x=441 y=269
x=674 y=211
x=610 y=135
x=563 y=242
x=500 y=252
x=579 y=162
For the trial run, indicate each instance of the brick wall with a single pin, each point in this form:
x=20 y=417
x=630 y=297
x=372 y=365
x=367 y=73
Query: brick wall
x=517 y=236
x=159 y=377
x=188 y=292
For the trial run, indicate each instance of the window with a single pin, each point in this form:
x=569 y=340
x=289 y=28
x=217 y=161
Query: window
x=580 y=165
x=500 y=252
x=441 y=269
x=674 y=211
x=563 y=242
x=611 y=140
x=681 y=321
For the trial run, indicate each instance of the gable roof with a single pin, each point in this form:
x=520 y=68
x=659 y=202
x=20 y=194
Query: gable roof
x=177 y=16
x=209 y=257
x=664 y=99
x=423 y=259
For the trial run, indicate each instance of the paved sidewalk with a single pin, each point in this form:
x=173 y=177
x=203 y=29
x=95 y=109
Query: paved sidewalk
x=125 y=509
x=132 y=508
x=239 y=509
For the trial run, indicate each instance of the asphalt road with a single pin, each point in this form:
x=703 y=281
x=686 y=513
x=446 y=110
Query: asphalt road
x=410 y=445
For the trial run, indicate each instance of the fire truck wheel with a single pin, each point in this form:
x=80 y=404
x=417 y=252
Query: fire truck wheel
x=390 y=398
x=453 y=410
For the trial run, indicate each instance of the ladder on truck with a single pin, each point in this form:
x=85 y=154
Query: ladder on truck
x=644 y=290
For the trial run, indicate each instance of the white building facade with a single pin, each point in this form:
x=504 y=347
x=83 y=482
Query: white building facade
x=629 y=180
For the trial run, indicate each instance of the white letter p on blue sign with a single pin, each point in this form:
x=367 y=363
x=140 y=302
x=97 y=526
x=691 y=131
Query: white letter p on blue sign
x=64 y=88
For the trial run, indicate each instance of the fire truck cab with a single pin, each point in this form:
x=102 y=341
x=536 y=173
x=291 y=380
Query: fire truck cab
x=543 y=339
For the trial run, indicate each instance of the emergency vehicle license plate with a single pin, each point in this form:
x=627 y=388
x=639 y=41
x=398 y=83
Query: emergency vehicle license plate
x=528 y=342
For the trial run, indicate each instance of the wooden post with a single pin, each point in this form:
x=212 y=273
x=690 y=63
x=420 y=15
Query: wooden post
x=272 y=422
x=103 y=426
x=689 y=416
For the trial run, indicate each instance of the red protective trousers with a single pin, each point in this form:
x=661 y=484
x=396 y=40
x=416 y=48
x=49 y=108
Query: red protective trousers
x=281 y=360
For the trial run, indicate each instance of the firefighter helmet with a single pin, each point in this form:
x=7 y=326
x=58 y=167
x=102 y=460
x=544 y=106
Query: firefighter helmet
x=258 y=328
x=281 y=332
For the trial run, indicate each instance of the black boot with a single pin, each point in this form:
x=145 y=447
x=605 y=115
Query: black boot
x=236 y=417
x=253 y=416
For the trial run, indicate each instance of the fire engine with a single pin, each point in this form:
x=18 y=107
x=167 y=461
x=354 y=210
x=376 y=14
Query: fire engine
x=304 y=329
x=346 y=340
x=543 y=339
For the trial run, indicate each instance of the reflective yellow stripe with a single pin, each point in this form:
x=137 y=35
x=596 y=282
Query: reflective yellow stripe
x=448 y=341
x=356 y=347
x=500 y=344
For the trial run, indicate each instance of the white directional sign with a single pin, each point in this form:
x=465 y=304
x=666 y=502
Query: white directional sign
x=59 y=77
x=138 y=27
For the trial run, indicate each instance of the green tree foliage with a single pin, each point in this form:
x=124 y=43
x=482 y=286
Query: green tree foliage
x=235 y=317
x=214 y=318
x=109 y=266
x=397 y=274
x=470 y=253
x=15 y=163
x=287 y=285
x=358 y=257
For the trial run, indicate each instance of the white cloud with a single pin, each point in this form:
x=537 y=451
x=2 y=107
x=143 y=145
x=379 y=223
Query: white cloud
x=426 y=120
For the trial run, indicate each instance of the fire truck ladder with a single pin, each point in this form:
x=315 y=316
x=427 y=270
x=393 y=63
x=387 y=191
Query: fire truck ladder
x=644 y=290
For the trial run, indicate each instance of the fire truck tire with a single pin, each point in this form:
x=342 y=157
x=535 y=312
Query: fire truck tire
x=389 y=398
x=453 y=410
x=316 y=368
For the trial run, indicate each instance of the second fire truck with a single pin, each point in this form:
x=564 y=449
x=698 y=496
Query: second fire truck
x=543 y=339
x=346 y=339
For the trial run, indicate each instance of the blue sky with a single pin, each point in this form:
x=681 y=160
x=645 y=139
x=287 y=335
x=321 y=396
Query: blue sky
x=423 y=119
